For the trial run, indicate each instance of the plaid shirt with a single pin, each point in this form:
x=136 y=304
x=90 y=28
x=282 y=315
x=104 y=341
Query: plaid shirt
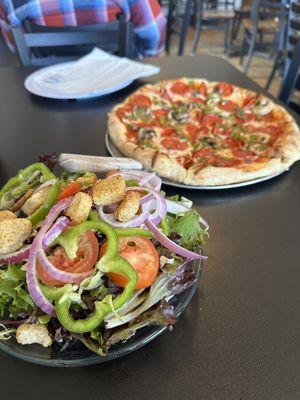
x=146 y=16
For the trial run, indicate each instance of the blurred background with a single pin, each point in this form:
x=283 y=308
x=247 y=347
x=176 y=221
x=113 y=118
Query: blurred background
x=260 y=38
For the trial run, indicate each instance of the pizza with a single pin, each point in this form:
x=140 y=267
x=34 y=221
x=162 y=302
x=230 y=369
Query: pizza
x=204 y=133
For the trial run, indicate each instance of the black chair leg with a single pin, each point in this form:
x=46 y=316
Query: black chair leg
x=242 y=51
x=185 y=27
x=236 y=28
x=170 y=21
x=198 y=27
x=250 y=52
x=227 y=36
x=276 y=65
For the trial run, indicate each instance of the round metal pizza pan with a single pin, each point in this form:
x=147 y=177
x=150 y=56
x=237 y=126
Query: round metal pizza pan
x=115 y=152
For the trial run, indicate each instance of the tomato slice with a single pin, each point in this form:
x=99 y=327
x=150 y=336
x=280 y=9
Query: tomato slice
x=142 y=255
x=180 y=88
x=224 y=88
x=86 y=258
x=140 y=100
x=70 y=189
x=173 y=143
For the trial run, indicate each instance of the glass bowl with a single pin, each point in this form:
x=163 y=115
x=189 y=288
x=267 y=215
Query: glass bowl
x=78 y=355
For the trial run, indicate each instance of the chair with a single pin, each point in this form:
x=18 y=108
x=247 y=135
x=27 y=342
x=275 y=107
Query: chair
x=40 y=45
x=291 y=80
x=214 y=15
x=283 y=59
x=241 y=13
x=267 y=20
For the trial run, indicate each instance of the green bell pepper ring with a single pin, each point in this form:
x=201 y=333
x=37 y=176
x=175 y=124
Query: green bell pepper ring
x=24 y=173
x=110 y=262
x=43 y=210
x=118 y=265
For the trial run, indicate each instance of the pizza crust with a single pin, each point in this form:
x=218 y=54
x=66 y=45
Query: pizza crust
x=213 y=176
x=288 y=148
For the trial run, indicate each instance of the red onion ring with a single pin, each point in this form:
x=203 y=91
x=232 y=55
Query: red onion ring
x=132 y=223
x=57 y=228
x=17 y=256
x=51 y=235
x=45 y=184
x=161 y=204
x=138 y=175
x=33 y=286
x=169 y=244
x=67 y=277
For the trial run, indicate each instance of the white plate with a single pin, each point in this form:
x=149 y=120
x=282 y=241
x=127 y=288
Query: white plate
x=96 y=74
x=113 y=151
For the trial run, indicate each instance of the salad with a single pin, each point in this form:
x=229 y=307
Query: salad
x=92 y=260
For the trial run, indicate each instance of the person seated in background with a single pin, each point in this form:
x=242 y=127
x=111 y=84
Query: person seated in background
x=146 y=17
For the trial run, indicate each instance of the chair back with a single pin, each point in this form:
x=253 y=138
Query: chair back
x=40 y=45
x=268 y=10
x=291 y=79
x=293 y=32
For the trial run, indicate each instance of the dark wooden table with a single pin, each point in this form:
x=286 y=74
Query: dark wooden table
x=239 y=338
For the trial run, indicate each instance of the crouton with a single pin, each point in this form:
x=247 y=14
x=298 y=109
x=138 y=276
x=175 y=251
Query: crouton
x=128 y=207
x=35 y=201
x=22 y=200
x=109 y=191
x=6 y=214
x=13 y=232
x=80 y=207
x=86 y=181
x=33 y=333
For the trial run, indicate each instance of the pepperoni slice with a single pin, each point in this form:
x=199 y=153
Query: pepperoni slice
x=220 y=131
x=140 y=100
x=227 y=105
x=234 y=143
x=192 y=132
x=168 y=132
x=202 y=89
x=160 y=113
x=197 y=100
x=122 y=112
x=198 y=115
x=173 y=143
x=249 y=101
x=224 y=88
x=218 y=161
x=132 y=135
x=245 y=155
x=180 y=88
x=205 y=152
x=211 y=119
x=270 y=117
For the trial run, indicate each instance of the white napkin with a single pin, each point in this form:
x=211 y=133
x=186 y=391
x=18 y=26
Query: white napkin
x=95 y=72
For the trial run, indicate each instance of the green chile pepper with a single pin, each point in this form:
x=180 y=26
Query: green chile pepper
x=110 y=262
